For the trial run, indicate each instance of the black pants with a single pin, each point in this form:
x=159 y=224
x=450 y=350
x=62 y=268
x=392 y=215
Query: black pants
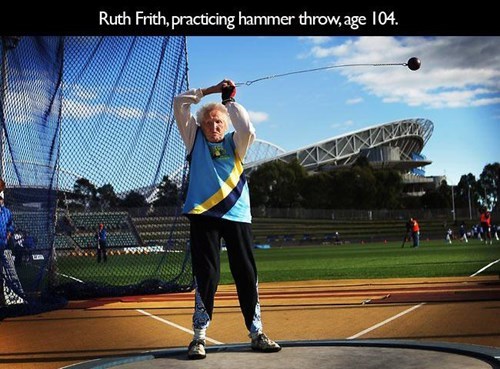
x=101 y=250
x=206 y=234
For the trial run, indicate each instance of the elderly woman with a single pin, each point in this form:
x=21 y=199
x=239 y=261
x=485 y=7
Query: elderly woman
x=218 y=206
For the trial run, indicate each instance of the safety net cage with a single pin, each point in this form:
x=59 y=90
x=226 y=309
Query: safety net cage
x=94 y=167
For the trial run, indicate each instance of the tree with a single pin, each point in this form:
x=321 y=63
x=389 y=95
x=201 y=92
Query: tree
x=168 y=193
x=107 y=197
x=489 y=181
x=363 y=186
x=352 y=188
x=317 y=191
x=388 y=190
x=277 y=184
x=260 y=182
x=286 y=191
x=134 y=200
x=85 y=191
x=464 y=190
x=439 y=198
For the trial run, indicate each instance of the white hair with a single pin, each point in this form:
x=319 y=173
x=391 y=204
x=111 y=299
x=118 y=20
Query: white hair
x=206 y=109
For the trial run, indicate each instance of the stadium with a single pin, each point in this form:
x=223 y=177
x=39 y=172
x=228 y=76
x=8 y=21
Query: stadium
x=84 y=144
x=83 y=147
x=396 y=145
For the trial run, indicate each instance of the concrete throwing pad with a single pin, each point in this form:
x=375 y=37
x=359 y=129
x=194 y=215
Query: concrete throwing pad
x=370 y=354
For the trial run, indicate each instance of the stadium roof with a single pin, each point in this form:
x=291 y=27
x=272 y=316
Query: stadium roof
x=408 y=137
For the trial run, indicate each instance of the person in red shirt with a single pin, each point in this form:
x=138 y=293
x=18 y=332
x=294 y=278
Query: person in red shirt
x=485 y=220
x=415 y=232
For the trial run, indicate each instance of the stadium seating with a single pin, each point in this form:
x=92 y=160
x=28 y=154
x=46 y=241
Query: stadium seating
x=158 y=229
x=126 y=231
x=281 y=231
x=82 y=229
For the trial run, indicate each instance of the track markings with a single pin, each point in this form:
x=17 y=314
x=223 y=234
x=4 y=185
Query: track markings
x=484 y=268
x=80 y=363
x=410 y=309
x=378 y=325
x=61 y=274
x=176 y=326
x=70 y=277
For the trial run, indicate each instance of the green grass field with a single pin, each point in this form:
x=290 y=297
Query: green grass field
x=349 y=261
x=371 y=261
x=124 y=269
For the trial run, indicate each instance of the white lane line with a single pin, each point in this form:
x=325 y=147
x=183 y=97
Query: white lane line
x=80 y=363
x=486 y=267
x=70 y=277
x=386 y=321
x=176 y=325
x=412 y=308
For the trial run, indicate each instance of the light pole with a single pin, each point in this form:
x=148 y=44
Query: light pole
x=453 y=204
x=470 y=207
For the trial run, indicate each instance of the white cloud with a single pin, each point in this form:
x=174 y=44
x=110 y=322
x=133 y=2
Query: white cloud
x=344 y=125
x=317 y=40
x=455 y=71
x=257 y=117
x=354 y=101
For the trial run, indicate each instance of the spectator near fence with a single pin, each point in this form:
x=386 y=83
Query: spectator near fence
x=6 y=246
x=29 y=246
x=18 y=244
x=6 y=226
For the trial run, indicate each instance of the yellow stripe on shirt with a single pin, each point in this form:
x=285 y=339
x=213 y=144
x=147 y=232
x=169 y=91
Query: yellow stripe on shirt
x=226 y=188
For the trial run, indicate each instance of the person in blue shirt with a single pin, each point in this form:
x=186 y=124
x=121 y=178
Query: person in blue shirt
x=218 y=207
x=29 y=246
x=463 y=232
x=6 y=223
x=101 y=243
x=6 y=232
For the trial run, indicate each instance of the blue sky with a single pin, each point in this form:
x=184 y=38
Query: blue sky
x=457 y=88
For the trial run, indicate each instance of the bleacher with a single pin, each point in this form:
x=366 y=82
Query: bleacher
x=90 y=221
x=125 y=231
x=35 y=224
x=78 y=230
x=158 y=230
x=282 y=232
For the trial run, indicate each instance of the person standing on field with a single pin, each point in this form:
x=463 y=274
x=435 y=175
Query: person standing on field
x=101 y=243
x=218 y=207
x=485 y=220
x=415 y=232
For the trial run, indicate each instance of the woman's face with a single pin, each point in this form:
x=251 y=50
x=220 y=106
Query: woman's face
x=214 y=126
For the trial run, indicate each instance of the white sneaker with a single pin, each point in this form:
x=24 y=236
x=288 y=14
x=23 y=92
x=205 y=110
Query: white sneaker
x=263 y=343
x=196 y=350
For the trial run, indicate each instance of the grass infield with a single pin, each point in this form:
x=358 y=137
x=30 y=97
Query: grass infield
x=372 y=261
x=311 y=262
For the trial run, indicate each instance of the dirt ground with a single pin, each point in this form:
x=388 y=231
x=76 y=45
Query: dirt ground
x=458 y=310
